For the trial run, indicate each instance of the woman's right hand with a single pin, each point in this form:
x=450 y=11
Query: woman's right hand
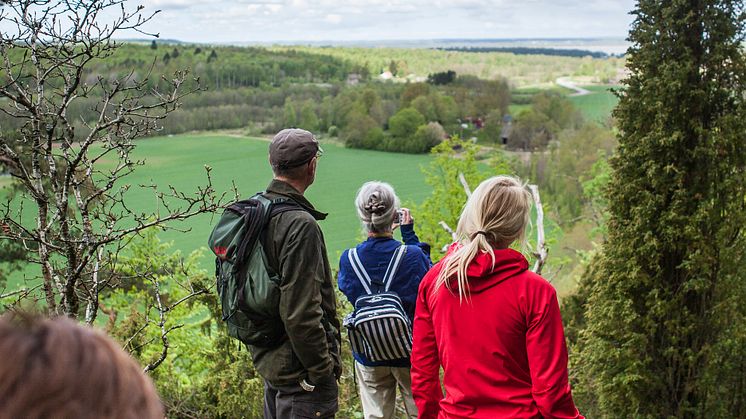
x=406 y=216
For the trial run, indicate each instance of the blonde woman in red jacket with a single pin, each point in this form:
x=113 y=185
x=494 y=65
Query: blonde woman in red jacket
x=493 y=325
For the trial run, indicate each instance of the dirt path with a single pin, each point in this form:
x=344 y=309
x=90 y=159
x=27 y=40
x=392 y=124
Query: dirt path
x=568 y=84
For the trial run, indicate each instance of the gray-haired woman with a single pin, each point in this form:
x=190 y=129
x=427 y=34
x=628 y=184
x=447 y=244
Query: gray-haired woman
x=379 y=211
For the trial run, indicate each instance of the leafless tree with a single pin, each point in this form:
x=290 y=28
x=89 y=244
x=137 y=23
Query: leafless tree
x=72 y=213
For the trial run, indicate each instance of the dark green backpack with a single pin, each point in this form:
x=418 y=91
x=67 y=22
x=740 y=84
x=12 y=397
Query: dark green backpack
x=248 y=287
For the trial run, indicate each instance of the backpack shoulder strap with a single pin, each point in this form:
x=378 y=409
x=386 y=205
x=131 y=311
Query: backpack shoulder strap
x=278 y=205
x=393 y=267
x=255 y=214
x=360 y=272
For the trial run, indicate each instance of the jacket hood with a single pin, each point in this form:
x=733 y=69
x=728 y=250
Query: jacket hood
x=484 y=274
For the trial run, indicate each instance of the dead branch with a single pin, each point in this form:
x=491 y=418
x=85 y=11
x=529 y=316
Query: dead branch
x=164 y=330
x=72 y=180
x=449 y=230
x=446 y=227
x=16 y=292
x=541 y=248
x=93 y=303
x=467 y=189
x=163 y=310
x=112 y=317
x=20 y=294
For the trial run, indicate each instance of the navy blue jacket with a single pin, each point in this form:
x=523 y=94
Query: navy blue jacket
x=375 y=254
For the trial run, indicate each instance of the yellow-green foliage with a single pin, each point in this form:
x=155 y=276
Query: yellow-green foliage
x=521 y=70
x=452 y=157
x=206 y=373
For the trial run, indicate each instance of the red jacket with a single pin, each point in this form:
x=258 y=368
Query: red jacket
x=502 y=351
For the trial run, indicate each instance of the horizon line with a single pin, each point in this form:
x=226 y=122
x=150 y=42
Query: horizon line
x=325 y=41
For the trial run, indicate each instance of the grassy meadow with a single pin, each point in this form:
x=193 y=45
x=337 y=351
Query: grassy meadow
x=180 y=160
x=597 y=105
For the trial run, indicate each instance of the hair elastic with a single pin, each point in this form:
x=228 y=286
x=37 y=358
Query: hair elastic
x=482 y=232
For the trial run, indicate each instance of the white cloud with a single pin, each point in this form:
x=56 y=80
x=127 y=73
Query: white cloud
x=258 y=20
x=171 y=4
x=273 y=8
x=333 y=18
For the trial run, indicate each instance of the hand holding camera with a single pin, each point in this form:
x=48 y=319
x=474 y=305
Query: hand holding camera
x=403 y=217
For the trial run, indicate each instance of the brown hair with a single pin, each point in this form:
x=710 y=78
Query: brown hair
x=59 y=368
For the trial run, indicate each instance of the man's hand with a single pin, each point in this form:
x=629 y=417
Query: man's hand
x=338 y=371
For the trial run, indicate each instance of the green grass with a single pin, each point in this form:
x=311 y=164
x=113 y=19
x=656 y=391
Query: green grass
x=516 y=110
x=180 y=161
x=341 y=172
x=596 y=106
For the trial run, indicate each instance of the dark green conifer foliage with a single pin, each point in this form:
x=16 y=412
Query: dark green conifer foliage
x=664 y=334
x=213 y=56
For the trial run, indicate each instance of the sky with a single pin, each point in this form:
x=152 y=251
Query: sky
x=242 y=21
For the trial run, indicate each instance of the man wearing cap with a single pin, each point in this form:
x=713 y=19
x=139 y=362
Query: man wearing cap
x=300 y=374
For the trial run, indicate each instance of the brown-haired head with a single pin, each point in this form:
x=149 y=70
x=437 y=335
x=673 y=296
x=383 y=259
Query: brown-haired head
x=59 y=368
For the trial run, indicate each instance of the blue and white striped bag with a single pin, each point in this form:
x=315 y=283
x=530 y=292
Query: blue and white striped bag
x=379 y=328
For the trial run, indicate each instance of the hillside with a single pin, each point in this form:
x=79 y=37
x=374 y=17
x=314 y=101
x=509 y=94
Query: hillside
x=521 y=70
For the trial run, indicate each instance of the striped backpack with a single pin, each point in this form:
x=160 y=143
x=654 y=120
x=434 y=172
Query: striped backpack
x=378 y=327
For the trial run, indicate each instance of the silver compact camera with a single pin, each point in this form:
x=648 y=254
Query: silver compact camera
x=399 y=216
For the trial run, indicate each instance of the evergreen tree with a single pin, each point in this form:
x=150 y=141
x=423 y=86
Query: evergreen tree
x=153 y=45
x=393 y=67
x=213 y=56
x=664 y=334
x=443 y=77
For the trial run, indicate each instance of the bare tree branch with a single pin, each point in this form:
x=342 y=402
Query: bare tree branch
x=467 y=189
x=541 y=248
x=163 y=310
x=16 y=292
x=71 y=174
x=449 y=230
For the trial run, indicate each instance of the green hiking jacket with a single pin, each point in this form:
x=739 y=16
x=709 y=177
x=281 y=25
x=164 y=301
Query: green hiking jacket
x=295 y=248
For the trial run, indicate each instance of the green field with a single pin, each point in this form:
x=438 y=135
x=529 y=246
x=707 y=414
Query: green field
x=597 y=105
x=180 y=161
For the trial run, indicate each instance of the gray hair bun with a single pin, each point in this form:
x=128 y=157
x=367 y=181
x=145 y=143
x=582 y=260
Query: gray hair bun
x=376 y=205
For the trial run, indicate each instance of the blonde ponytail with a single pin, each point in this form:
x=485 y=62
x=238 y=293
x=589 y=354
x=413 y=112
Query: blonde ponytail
x=495 y=216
